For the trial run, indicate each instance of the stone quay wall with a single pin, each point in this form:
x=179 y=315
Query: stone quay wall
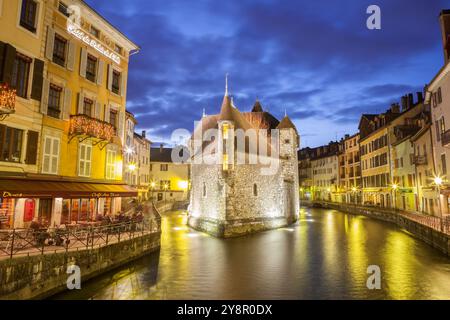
x=431 y=236
x=40 y=276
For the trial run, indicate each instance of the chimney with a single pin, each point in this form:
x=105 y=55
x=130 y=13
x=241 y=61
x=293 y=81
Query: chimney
x=161 y=148
x=410 y=100
x=143 y=133
x=404 y=103
x=444 y=20
x=419 y=97
x=395 y=108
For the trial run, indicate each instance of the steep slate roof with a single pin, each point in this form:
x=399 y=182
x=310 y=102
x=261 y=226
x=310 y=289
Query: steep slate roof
x=286 y=123
x=256 y=119
x=257 y=107
x=161 y=155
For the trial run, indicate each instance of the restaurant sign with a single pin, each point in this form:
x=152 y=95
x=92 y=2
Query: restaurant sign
x=77 y=32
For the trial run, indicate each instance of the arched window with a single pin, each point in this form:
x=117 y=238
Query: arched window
x=255 y=190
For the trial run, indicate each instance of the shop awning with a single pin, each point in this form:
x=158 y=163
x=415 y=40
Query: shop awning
x=21 y=188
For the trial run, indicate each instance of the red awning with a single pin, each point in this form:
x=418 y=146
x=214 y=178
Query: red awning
x=21 y=188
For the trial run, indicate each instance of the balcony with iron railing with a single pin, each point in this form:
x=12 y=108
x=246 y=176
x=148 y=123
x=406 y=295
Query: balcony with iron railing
x=7 y=101
x=420 y=160
x=85 y=127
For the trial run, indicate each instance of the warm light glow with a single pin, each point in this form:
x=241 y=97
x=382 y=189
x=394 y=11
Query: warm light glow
x=166 y=186
x=438 y=181
x=329 y=190
x=128 y=150
x=131 y=167
x=395 y=186
x=71 y=28
x=183 y=185
x=7 y=97
x=354 y=189
x=152 y=185
x=84 y=125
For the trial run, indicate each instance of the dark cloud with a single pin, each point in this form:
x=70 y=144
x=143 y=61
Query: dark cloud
x=315 y=59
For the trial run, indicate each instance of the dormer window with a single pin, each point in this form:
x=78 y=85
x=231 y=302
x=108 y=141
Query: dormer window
x=118 y=49
x=95 y=32
x=62 y=7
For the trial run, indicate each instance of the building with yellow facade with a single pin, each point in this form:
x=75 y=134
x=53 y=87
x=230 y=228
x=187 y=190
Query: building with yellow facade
x=352 y=172
x=169 y=178
x=72 y=69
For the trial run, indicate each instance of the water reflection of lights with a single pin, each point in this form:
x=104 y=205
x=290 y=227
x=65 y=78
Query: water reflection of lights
x=180 y=228
x=193 y=235
x=288 y=229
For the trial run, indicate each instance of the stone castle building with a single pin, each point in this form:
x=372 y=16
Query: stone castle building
x=230 y=198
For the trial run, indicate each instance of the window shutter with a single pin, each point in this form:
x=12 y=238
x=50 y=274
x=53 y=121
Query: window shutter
x=2 y=58
x=123 y=87
x=55 y=156
x=9 y=57
x=45 y=93
x=71 y=55
x=50 y=43
x=83 y=62
x=38 y=78
x=98 y=110
x=80 y=103
x=100 y=68
x=46 y=155
x=107 y=108
x=110 y=77
x=67 y=104
x=121 y=124
x=32 y=146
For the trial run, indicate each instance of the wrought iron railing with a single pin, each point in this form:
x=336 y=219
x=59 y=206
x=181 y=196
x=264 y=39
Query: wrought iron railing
x=46 y=241
x=420 y=160
x=90 y=127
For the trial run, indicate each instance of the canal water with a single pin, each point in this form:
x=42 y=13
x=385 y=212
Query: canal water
x=324 y=256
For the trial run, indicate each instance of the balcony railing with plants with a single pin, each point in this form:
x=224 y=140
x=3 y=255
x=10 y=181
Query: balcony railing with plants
x=7 y=101
x=85 y=127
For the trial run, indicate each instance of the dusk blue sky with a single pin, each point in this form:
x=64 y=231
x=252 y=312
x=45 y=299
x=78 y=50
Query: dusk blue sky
x=316 y=59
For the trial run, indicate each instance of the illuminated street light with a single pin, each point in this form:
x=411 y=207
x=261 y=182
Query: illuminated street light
x=438 y=182
x=394 y=198
x=131 y=167
x=128 y=150
x=183 y=184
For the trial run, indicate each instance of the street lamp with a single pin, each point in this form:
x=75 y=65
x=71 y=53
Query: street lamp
x=354 y=194
x=438 y=183
x=166 y=186
x=152 y=187
x=394 y=198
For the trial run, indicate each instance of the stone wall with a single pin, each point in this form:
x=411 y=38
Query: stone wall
x=434 y=238
x=40 y=276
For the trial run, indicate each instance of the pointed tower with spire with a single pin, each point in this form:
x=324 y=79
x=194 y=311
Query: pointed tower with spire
x=232 y=195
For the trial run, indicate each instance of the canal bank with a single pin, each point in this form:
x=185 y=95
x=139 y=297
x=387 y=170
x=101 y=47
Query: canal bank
x=32 y=270
x=325 y=255
x=427 y=233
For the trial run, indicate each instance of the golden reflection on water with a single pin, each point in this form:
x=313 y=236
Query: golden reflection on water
x=324 y=256
x=357 y=256
x=400 y=265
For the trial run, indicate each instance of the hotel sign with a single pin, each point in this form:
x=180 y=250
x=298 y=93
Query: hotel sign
x=77 y=32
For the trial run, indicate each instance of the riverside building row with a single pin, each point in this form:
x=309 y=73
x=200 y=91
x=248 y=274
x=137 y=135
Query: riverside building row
x=63 y=76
